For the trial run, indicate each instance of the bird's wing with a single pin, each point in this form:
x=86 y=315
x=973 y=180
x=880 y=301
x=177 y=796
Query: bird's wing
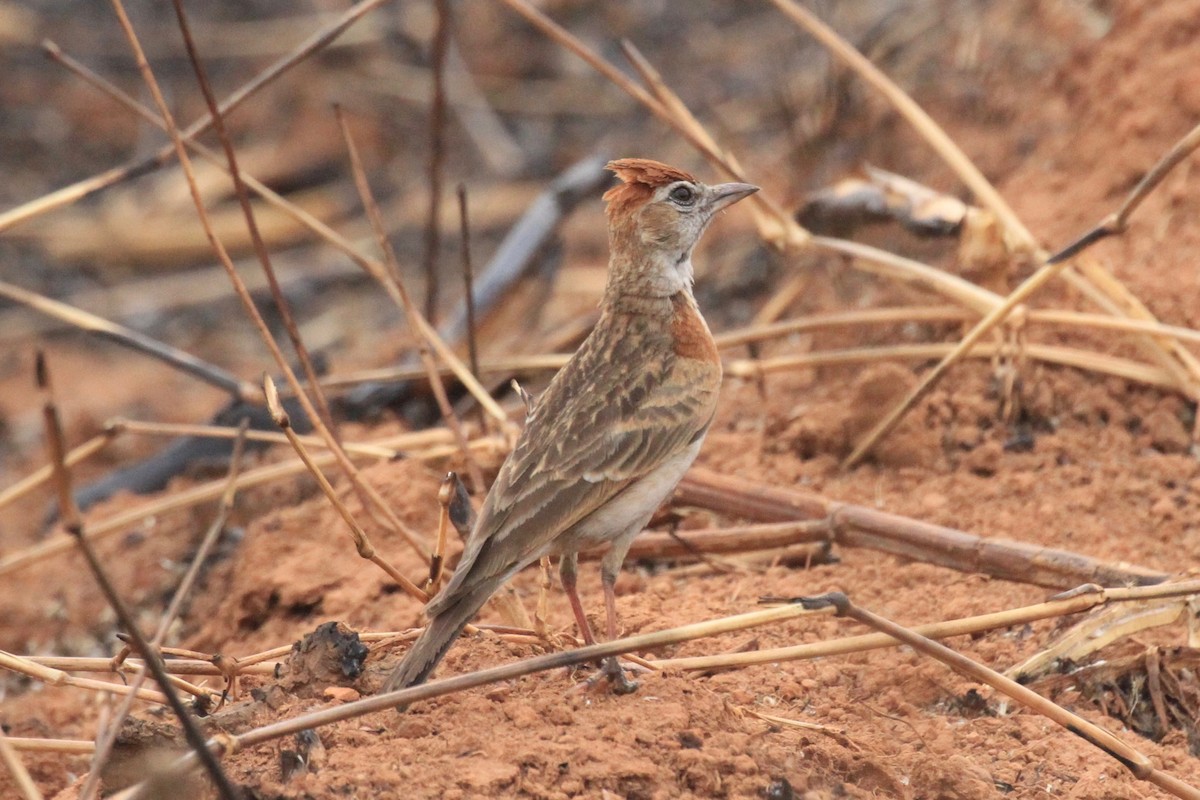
x=620 y=408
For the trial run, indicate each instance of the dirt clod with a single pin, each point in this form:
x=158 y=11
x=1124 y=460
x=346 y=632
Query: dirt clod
x=331 y=654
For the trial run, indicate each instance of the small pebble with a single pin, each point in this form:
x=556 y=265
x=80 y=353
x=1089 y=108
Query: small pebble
x=343 y=694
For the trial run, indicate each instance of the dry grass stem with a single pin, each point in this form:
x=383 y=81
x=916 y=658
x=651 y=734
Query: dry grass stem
x=174 y=429
x=233 y=743
x=43 y=474
x=1127 y=756
x=1118 y=221
x=464 y=236
x=423 y=344
x=1050 y=354
x=1074 y=602
x=1112 y=296
x=881 y=262
x=736 y=539
x=499 y=366
x=362 y=542
x=371 y=498
x=437 y=157
x=109 y=732
x=69 y=513
x=77 y=191
x=261 y=663
x=882 y=316
x=176 y=666
x=55 y=677
x=16 y=768
x=186 y=498
x=282 y=306
x=172 y=356
x=36 y=745
x=1176 y=358
x=775 y=224
x=860 y=526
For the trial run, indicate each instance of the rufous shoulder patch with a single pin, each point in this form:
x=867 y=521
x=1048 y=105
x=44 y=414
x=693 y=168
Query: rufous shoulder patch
x=690 y=333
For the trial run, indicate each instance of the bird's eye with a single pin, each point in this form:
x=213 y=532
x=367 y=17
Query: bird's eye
x=683 y=194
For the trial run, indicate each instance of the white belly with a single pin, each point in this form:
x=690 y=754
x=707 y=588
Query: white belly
x=630 y=509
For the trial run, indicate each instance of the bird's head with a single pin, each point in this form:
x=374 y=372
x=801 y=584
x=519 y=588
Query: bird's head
x=655 y=217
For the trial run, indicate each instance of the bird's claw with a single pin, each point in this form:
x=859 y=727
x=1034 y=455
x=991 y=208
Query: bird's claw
x=613 y=673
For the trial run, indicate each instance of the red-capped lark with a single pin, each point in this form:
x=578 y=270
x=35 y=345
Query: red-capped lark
x=618 y=426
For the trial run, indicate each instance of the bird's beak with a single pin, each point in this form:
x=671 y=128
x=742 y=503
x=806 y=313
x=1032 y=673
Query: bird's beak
x=726 y=194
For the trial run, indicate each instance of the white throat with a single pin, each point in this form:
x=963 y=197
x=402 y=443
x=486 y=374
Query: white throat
x=668 y=276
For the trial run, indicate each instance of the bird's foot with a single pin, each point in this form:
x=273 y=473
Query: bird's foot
x=617 y=679
x=612 y=673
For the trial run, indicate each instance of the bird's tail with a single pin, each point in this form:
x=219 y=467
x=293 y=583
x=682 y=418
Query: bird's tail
x=435 y=641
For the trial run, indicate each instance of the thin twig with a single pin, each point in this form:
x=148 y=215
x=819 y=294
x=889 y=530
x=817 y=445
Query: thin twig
x=108 y=736
x=362 y=542
x=43 y=474
x=233 y=743
x=88 y=186
x=36 y=745
x=437 y=155
x=1127 y=756
x=69 y=513
x=169 y=355
x=56 y=677
x=174 y=429
x=1050 y=354
x=881 y=262
x=372 y=266
x=205 y=492
x=1118 y=221
x=1110 y=295
x=371 y=496
x=410 y=310
x=734 y=539
x=1073 y=602
x=176 y=666
x=16 y=768
x=884 y=316
x=464 y=234
x=282 y=306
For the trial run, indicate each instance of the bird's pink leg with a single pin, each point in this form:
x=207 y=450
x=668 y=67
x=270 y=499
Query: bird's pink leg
x=609 y=567
x=567 y=566
x=610 y=668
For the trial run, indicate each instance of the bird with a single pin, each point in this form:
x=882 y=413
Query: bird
x=617 y=427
